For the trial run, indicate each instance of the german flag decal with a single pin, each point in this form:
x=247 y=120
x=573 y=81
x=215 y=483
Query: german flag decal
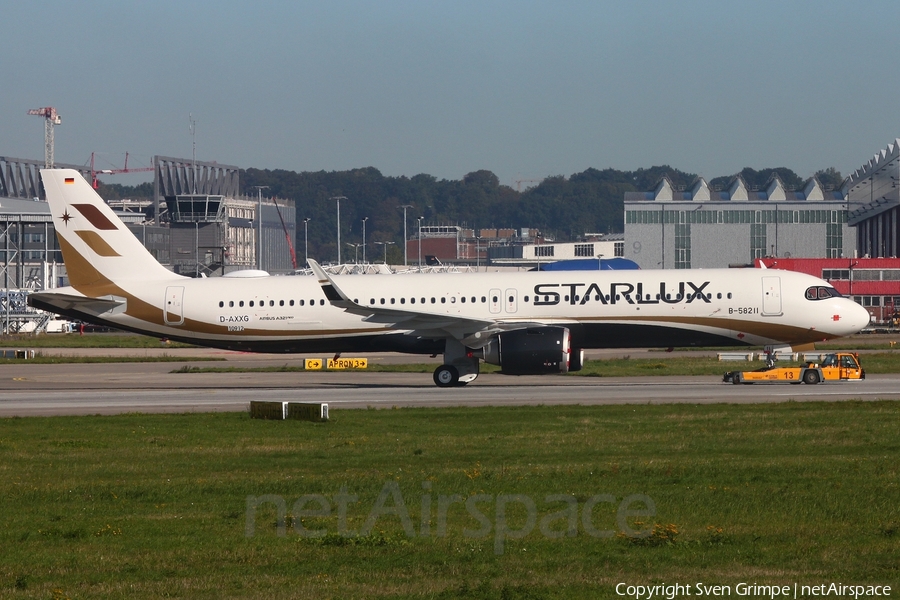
x=96 y=218
x=70 y=180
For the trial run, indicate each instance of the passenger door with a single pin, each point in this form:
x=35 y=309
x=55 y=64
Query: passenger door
x=173 y=310
x=771 y=300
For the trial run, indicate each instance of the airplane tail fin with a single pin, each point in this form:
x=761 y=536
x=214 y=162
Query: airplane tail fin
x=97 y=247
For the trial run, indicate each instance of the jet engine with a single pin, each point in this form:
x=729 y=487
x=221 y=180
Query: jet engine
x=534 y=351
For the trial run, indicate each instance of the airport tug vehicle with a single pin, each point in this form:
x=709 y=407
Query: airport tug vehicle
x=842 y=366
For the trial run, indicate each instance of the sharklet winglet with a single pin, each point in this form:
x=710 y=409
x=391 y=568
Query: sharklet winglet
x=332 y=292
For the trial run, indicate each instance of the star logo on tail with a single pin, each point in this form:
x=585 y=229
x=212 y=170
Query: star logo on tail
x=66 y=217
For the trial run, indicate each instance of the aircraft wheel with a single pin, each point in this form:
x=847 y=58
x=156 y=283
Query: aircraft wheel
x=736 y=378
x=446 y=376
x=811 y=377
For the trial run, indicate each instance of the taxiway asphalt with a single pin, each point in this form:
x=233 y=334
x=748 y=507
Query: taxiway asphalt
x=109 y=388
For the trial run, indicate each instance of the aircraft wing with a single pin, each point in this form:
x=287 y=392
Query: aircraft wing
x=474 y=333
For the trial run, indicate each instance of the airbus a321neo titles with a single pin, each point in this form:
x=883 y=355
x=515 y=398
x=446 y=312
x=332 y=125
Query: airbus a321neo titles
x=525 y=322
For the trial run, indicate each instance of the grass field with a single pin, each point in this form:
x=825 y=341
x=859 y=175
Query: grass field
x=91 y=340
x=150 y=506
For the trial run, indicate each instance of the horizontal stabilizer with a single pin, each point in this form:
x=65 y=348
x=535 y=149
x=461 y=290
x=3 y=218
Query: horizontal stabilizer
x=53 y=301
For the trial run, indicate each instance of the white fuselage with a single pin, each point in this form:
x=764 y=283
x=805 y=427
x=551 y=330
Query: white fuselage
x=604 y=308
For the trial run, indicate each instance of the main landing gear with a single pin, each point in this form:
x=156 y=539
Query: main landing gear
x=459 y=366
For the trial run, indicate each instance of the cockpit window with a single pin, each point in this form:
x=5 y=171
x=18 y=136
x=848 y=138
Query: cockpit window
x=821 y=293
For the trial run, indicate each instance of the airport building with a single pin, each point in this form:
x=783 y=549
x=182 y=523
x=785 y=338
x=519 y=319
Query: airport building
x=537 y=252
x=704 y=227
x=197 y=224
x=873 y=197
x=509 y=247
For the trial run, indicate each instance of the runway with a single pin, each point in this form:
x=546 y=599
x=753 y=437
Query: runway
x=75 y=389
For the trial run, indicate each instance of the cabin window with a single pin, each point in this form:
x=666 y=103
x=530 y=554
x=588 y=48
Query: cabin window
x=230 y=303
x=484 y=299
x=526 y=298
x=412 y=300
x=371 y=300
x=729 y=295
x=221 y=304
x=453 y=300
x=272 y=303
x=392 y=301
x=433 y=301
x=402 y=300
x=463 y=299
x=292 y=303
x=382 y=300
x=322 y=302
x=719 y=296
x=302 y=302
x=443 y=301
x=251 y=304
x=281 y=303
x=496 y=299
x=513 y=298
x=241 y=303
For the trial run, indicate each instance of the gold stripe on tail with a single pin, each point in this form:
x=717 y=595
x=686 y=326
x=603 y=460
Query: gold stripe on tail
x=97 y=243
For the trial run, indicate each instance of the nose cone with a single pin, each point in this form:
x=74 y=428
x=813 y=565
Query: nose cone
x=850 y=317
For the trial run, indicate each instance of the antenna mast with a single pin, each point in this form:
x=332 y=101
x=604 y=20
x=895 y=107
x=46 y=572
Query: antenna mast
x=193 y=153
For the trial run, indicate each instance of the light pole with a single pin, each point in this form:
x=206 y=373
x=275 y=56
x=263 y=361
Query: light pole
x=364 y=238
x=420 y=241
x=306 y=238
x=405 y=258
x=356 y=257
x=477 y=253
x=385 y=244
x=338 y=199
x=259 y=189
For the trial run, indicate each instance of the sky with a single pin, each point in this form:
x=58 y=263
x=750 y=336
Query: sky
x=525 y=89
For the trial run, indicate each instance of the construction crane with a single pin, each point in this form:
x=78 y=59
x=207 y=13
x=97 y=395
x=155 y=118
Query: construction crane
x=519 y=183
x=51 y=118
x=94 y=172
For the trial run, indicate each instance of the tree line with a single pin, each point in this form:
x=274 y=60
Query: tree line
x=562 y=208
